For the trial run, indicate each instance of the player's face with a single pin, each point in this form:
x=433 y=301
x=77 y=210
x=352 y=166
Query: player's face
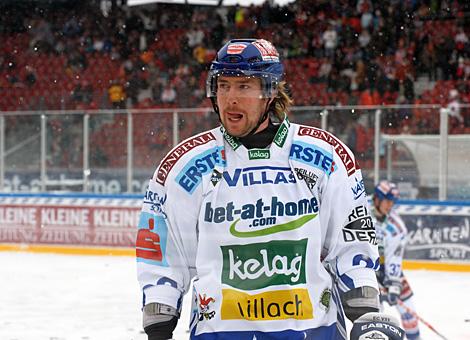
x=385 y=206
x=240 y=104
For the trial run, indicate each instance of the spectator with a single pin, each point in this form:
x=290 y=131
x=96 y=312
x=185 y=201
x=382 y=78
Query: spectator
x=117 y=95
x=330 y=41
x=168 y=95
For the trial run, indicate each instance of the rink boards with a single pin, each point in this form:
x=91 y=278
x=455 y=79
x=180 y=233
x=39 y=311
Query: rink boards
x=439 y=232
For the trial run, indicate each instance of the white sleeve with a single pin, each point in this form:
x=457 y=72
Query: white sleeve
x=350 y=244
x=166 y=242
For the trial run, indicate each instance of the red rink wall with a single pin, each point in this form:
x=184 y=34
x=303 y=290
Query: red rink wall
x=78 y=220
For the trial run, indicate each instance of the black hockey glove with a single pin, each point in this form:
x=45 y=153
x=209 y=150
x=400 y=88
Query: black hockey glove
x=393 y=291
x=159 y=321
x=377 y=326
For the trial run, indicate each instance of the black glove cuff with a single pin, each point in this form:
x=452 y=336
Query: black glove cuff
x=161 y=330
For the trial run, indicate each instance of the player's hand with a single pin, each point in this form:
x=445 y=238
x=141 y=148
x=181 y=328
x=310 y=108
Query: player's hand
x=393 y=291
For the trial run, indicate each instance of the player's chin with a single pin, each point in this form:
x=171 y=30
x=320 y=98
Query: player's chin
x=236 y=130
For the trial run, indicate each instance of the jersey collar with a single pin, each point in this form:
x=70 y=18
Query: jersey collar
x=279 y=138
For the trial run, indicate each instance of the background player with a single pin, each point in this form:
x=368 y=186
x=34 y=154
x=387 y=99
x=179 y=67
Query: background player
x=392 y=238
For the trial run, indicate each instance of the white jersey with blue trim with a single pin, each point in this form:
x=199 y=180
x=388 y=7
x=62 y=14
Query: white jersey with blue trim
x=391 y=239
x=264 y=233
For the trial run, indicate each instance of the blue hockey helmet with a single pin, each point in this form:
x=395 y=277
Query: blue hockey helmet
x=247 y=57
x=386 y=190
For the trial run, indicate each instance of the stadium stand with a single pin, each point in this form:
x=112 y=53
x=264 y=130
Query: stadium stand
x=70 y=56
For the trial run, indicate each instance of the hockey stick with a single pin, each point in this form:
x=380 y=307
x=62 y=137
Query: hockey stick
x=412 y=312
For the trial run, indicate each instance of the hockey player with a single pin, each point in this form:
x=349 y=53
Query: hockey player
x=392 y=237
x=263 y=215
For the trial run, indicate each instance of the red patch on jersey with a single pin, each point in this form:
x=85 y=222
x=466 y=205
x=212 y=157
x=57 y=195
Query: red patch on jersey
x=235 y=48
x=170 y=160
x=349 y=163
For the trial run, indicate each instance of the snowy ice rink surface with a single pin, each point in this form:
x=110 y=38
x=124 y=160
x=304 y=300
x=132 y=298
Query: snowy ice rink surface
x=66 y=297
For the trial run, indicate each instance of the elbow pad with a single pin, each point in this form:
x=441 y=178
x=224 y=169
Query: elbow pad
x=359 y=301
x=159 y=321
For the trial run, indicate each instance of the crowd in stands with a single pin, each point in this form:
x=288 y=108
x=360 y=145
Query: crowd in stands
x=336 y=52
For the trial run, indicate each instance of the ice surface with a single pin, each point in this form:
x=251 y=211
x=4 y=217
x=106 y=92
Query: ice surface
x=66 y=297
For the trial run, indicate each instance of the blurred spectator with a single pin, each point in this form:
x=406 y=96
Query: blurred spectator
x=82 y=94
x=29 y=76
x=168 y=94
x=453 y=106
x=42 y=39
x=117 y=95
x=330 y=40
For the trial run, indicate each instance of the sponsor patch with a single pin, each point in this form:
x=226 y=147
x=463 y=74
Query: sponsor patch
x=349 y=163
x=359 y=227
x=259 y=175
x=260 y=265
x=156 y=202
x=281 y=134
x=151 y=239
x=359 y=188
x=309 y=177
x=313 y=155
x=232 y=141
x=172 y=158
x=260 y=219
x=259 y=154
x=191 y=175
x=273 y=305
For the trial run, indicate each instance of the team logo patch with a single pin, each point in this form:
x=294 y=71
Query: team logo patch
x=325 y=298
x=205 y=307
x=172 y=158
x=216 y=177
x=349 y=163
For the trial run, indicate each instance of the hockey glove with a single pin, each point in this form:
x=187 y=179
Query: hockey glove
x=377 y=326
x=393 y=291
x=159 y=321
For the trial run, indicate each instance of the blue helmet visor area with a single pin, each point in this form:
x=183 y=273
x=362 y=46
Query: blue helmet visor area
x=266 y=89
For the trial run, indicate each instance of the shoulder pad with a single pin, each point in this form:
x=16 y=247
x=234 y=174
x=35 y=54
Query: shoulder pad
x=343 y=152
x=185 y=147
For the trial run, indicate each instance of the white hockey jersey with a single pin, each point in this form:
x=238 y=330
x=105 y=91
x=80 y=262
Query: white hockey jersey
x=391 y=238
x=264 y=233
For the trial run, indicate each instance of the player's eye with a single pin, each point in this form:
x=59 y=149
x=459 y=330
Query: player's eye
x=223 y=86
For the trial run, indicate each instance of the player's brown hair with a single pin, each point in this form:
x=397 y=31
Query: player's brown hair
x=282 y=101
